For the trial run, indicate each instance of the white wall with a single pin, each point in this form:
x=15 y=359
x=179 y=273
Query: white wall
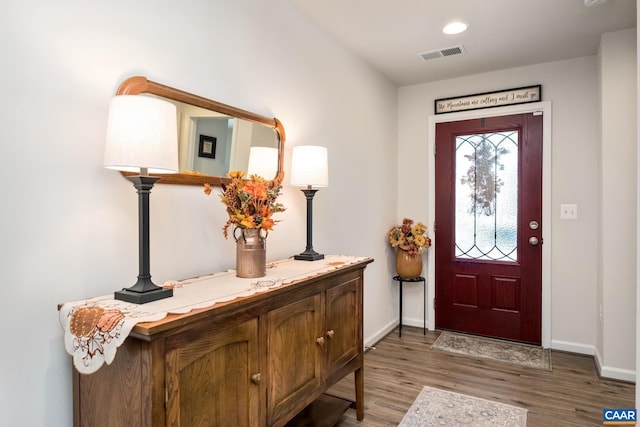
x=572 y=88
x=69 y=226
x=616 y=297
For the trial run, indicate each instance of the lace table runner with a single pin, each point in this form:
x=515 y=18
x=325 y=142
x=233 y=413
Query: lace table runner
x=95 y=328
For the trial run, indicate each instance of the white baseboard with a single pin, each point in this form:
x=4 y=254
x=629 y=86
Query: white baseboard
x=391 y=326
x=603 y=371
x=379 y=335
x=613 y=373
x=573 y=347
x=417 y=322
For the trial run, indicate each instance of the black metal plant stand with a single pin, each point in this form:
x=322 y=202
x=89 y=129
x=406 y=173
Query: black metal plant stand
x=424 y=289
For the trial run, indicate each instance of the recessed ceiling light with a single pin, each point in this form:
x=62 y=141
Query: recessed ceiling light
x=455 y=28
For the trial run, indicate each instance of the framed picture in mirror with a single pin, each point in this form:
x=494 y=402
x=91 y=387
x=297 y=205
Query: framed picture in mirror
x=207 y=147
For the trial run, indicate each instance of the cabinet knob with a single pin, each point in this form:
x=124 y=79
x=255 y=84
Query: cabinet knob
x=330 y=333
x=256 y=378
x=320 y=341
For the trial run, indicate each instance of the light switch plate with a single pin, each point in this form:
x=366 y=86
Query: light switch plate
x=568 y=211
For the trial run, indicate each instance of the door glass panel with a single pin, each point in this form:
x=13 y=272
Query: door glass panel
x=486 y=196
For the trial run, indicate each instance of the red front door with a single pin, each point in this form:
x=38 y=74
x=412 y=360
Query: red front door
x=488 y=254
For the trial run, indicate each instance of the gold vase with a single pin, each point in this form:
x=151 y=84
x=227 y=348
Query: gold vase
x=408 y=266
x=251 y=253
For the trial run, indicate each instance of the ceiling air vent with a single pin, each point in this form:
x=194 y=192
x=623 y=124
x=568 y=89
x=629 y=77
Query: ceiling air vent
x=449 y=51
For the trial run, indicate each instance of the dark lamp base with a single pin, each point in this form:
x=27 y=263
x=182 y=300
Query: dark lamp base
x=144 y=290
x=143 y=297
x=309 y=256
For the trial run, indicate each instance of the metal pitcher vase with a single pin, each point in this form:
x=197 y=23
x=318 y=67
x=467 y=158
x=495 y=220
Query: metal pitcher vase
x=251 y=252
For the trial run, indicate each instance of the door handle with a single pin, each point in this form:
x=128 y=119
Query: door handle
x=533 y=241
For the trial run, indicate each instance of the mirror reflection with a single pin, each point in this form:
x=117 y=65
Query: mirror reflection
x=212 y=143
x=215 y=138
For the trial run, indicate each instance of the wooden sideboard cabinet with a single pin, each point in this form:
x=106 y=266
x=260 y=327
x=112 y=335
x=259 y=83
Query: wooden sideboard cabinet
x=254 y=361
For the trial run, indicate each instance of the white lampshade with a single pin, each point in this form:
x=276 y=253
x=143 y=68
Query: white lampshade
x=141 y=133
x=263 y=161
x=309 y=166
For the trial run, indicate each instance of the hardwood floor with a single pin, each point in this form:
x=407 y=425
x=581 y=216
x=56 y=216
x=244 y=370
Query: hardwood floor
x=397 y=369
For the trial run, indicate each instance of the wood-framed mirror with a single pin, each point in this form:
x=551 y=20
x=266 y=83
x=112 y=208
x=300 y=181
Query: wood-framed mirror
x=214 y=138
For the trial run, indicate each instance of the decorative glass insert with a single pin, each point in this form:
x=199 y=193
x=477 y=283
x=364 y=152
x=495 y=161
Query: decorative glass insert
x=487 y=196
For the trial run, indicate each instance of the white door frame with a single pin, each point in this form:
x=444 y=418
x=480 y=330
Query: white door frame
x=545 y=108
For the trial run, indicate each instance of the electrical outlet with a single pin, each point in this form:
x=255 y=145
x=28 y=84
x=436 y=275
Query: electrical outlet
x=568 y=211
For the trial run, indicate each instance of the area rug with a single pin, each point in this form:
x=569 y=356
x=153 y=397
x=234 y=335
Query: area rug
x=435 y=407
x=525 y=355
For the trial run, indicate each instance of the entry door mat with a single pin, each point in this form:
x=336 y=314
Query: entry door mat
x=436 y=407
x=525 y=355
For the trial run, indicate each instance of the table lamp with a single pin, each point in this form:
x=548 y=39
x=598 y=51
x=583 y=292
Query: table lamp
x=142 y=136
x=309 y=168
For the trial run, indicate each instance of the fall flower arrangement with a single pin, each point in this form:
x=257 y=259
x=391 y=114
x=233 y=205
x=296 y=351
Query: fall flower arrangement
x=409 y=237
x=250 y=203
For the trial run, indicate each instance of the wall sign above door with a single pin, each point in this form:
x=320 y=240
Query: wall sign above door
x=521 y=95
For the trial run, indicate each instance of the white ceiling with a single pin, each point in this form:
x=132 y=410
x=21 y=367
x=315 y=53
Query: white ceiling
x=391 y=34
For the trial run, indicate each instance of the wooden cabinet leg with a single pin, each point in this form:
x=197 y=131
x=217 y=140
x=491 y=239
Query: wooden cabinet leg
x=359 y=379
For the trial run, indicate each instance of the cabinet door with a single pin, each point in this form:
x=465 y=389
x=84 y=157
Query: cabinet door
x=295 y=355
x=211 y=379
x=343 y=324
